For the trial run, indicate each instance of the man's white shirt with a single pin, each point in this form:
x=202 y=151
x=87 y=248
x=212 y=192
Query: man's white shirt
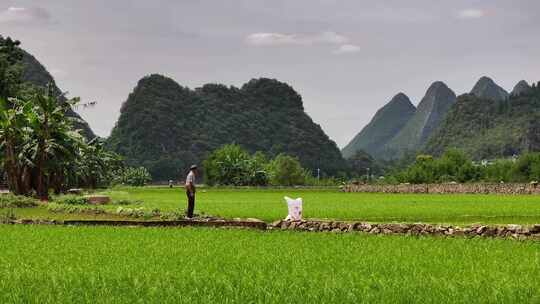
x=190 y=178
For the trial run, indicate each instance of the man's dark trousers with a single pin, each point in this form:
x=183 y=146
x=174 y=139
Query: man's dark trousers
x=191 y=203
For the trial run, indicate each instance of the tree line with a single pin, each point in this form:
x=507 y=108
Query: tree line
x=232 y=165
x=455 y=166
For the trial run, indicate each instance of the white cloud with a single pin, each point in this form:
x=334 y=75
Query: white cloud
x=24 y=15
x=269 y=39
x=471 y=13
x=347 y=49
x=277 y=39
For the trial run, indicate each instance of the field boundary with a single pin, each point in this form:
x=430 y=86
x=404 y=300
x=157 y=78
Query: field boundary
x=240 y=223
x=521 y=232
x=476 y=230
x=450 y=188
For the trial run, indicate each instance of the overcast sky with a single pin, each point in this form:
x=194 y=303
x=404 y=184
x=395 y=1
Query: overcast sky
x=346 y=58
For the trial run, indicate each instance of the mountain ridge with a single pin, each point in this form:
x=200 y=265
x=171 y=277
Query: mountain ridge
x=487 y=128
x=384 y=125
x=429 y=113
x=486 y=88
x=166 y=127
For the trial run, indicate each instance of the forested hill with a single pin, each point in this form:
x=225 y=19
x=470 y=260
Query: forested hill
x=36 y=74
x=384 y=126
x=488 y=128
x=430 y=112
x=166 y=127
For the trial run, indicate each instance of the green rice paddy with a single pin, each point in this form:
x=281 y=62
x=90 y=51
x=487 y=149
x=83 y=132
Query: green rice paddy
x=42 y=264
x=269 y=205
x=332 y=204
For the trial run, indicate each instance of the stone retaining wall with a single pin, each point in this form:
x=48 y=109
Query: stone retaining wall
x=240 y=223
x=506 y=231
x=477 y=188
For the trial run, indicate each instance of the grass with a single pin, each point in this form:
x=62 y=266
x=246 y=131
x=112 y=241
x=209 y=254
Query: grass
x=331 y=204
x=326 y=204
x=41 y=264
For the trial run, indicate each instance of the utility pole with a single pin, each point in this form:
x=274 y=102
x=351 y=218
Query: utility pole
x=368 y=177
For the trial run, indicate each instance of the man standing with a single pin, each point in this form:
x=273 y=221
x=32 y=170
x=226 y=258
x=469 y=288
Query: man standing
x=190 y=190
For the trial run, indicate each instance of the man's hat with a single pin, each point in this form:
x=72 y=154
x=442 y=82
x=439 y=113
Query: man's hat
x=193 y=167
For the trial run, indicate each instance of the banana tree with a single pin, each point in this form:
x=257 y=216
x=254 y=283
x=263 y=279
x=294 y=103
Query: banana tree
x=94 y=166
x=12 y=133
x=51 y=142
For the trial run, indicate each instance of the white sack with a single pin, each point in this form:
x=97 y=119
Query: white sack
x=295 y=209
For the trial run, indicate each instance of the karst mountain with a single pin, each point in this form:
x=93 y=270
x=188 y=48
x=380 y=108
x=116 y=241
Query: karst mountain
x=488 y=122
x=384 y=126
x=167 y=127
x=486 y=88
x=431 y=111
x=486 y=128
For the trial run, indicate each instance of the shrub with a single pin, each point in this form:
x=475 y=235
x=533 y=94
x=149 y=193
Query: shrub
x=124 y=202
x=72 y=200
x=17 y=201
x=131 y=176
x=232 y=165
x=73 y=209
x=137 y=212
x=527 y=167
x=452 y=166
x=286 y=170
x=7 y=217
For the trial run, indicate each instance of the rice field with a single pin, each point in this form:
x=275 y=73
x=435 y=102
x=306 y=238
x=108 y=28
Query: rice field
x=332 y=204
x=41 y=264
x=269 y=205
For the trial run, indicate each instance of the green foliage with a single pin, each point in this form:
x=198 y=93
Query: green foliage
x=453 y=166
x=16 y=201
x=362 y=164
x=131 y=176
x=527 y=167
x=10 y=67
x=38 y=137
x=499 y=171
x=94 y=166
x=489 y=129
x=232 y=165
x=126 y=202
x=38 y=142
x=7 y=216
x=166 y=127
x=138 y=212
x=40 y=150
x=286 y=170
x=74 y=209
x=71 y=200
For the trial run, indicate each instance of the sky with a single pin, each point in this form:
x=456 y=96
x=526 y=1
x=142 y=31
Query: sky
x=347 y=58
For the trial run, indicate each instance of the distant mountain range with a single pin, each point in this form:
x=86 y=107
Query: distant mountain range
x=488 y=122
x=166 y=127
